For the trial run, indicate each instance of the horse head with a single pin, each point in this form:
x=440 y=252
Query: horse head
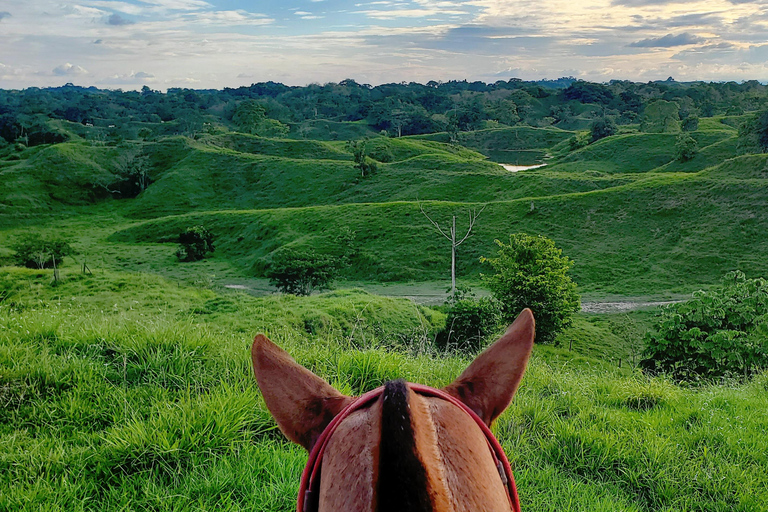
x=402 y=447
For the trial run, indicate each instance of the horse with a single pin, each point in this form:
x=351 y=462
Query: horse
x=403 y=447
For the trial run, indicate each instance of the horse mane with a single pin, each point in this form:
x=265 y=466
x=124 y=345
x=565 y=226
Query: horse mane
x=403 y=484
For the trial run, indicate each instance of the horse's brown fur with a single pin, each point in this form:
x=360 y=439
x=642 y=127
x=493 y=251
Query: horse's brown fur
x=461 y=474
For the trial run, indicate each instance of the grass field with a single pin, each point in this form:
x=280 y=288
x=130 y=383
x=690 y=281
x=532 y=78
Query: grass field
x=130 y=388
x=123 y=391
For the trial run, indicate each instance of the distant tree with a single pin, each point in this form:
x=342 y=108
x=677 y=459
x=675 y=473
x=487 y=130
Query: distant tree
x=531 y=272
x=35 y=251
x=686 y=147
x=301 y=272
x=365 y=164
x=251 y=117
x=753 y=134
x=601 y=128
x=661 y=116
x=194 y=243
x=450 y=234
x=588 y=92
x=690 y=124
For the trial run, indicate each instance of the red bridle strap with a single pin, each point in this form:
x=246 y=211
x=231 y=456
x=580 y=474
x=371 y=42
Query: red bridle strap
x=309 y=490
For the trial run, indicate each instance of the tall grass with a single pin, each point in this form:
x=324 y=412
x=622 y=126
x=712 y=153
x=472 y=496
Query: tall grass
x=140 y=409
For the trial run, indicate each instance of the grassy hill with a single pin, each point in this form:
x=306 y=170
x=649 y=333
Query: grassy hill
x=122 y=390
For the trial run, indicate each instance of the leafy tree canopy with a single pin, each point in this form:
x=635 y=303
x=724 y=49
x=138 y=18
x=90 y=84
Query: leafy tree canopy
x=195 y=243
x=721 y=332
x=301 y=272
x=531 y=272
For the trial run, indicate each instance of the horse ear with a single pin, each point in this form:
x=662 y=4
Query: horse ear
x=489 y=383
x=302 y=403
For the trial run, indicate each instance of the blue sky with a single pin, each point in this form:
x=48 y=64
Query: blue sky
x=228 y=43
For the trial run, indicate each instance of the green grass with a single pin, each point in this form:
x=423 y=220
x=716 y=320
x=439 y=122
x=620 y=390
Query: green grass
x=129 y=392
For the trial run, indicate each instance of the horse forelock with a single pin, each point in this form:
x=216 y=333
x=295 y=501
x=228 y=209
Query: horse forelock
x=407 y=452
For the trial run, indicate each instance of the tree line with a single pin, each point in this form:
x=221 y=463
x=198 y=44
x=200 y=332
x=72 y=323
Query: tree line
x=397 y=108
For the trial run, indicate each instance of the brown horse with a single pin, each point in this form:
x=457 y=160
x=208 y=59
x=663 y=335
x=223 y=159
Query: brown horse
x=400 y=449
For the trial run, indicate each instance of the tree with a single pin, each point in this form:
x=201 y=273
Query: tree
x=661 y=116
x=251 y=117
x=753 y=134
x=686 y=147
x=602 y=128
x=721 y=332
x=194 y=243
x=35 y=251
x=300 y=272
x=473 y=215
x=365 y=164
x=532 y=272
x=690 y=124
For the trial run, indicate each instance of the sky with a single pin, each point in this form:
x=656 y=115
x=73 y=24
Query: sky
x=228 y=43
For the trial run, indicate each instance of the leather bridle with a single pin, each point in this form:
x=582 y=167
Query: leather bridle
x=309 y=490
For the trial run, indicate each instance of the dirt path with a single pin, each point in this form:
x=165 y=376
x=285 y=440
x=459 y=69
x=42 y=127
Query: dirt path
x=621 y=306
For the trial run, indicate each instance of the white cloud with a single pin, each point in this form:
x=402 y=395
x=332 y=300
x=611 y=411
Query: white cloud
x=68 y=69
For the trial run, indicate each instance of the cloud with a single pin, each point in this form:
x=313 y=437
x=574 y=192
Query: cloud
x=131 y=78
x=69 y=70
x=228 y=18
x=4 y=14
x=668 y=41
x=117 y=20
x=643 y=3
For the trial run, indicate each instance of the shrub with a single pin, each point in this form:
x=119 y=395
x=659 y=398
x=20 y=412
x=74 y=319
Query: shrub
x=602 y=128
x=531 y=272
x=686 y=147
x=300 y=272
x=723 y=332
x=690 y=124
x=469 y=322
x=195 y=243
x=34 y=251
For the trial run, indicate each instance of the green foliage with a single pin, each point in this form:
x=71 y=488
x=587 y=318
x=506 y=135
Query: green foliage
x=251 y=117
x=195 y=243
x=753 y=134
x=364 y=163
x=686 y=147
x=36 y=251
x=531 y=272
x=690 y=124
x=661 y=116
x=469 y=322
x=601 y=128
x=578 y=141
x=301 y=272
x=722 y=332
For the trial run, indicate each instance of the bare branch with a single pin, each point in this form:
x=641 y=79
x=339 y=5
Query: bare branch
x=437 y=226
x=472 y=218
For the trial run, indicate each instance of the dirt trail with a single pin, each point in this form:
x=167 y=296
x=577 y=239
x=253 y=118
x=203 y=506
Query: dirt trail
x=621 y=306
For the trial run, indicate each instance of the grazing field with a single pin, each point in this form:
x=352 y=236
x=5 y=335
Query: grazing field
x=128 y=387
x=123 y=391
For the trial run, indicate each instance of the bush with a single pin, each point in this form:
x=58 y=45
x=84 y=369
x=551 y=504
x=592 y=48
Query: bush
x=34 y=251
x=686 y=147
x=469 y=322
x=301 y=272
x=690 y=124
x=602 y=128
x=532 y=273
x=723 y=332
x=194 y=243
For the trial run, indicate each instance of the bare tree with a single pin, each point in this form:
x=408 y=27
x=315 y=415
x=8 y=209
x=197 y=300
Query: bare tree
x=451 y=235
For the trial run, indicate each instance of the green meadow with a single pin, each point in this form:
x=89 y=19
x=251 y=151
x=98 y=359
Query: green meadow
x=128 y=387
